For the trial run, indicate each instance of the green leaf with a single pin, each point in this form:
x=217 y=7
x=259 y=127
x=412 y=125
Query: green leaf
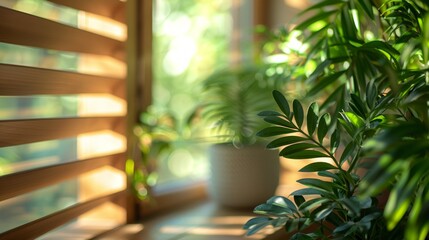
x=310 y=204
x=322 y=4
x=308 y=191
x=271 y=209
x=282 y=102
x=255 y=221
x=352 y=205
x=312 y=117
x=298 y=112
x=316 y=183
x=354 y=119
x=297 y=147
x=280 y=121
x=335 y=141
x=274 y=131
x=256 y=227
x=269 y=113
x=321 y=16
x=282 y=202
x=323 y=127
x=317 y=166
x=367 y=7
x=285 y=141
x=323 y=213
x=299 y=199
x=305 y=154
x=329 y=174
x=348 y=151
x=343 y=228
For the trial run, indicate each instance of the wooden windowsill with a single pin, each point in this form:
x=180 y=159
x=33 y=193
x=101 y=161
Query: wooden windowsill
x=202 y=220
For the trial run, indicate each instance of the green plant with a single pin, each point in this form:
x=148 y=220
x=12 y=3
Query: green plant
x=372 y=80
x=232 y=99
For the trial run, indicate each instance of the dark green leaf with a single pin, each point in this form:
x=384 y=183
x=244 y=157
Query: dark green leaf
x=359 y=105
x=308 y=191
x=271 y=209
x=348 y=151
x=277 y=120
x=310 y=204
x=317 y=166
x=352 y=205
x=298 y=112
x=285 y=141
x=282 y=102
x=312 y=117
x=274 y=131
x=296 y=148
x=343 y=228
x=323 y=126
x=323 y=213
x=305 y=154
x=328 y=174
x=335 y=141
x=316 y=183
x=269 y=113
x=299 y=199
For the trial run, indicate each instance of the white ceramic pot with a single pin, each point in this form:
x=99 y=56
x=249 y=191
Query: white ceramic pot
x=242 y=178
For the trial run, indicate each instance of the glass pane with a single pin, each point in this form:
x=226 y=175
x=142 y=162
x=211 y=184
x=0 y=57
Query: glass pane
x=69 y=16
x=35 y=155
x=191 y=40
x=31 y=206
x=48 y=106
x=60 y=60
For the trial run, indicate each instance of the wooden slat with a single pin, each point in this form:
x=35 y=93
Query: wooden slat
x=25 y=29
x=40 y=226
x=20 y=81
x=109 y=8
x=27 y=131
x=18 y=183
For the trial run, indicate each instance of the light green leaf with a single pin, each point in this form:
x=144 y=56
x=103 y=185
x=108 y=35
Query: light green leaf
x=354 y=119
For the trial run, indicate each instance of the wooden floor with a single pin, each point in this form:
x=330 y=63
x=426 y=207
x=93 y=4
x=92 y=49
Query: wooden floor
x=202 y=221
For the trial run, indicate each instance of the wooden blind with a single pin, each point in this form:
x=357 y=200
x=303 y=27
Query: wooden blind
x=77 y=66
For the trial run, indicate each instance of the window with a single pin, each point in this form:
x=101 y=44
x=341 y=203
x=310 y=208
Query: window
x=63 y=116
x=191 y=40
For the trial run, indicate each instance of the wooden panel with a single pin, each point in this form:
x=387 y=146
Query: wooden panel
x=18 y=183
x=40 y=226
x=109 y=8
x=27 y=131
x=25 y=29
x=18 y=81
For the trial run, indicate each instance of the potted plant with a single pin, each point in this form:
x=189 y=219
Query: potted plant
x=372 y=81
x=242 y=171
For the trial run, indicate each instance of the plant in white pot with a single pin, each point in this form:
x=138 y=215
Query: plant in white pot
x=242 y=171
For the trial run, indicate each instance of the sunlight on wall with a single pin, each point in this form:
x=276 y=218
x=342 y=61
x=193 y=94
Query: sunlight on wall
x=300 y=4
x=100 y=104
x=99 y=143
x=99 y=182
x=102 y=25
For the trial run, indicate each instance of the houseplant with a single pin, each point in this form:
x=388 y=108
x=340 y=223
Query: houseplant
x=372 y=79
x=231 y=100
